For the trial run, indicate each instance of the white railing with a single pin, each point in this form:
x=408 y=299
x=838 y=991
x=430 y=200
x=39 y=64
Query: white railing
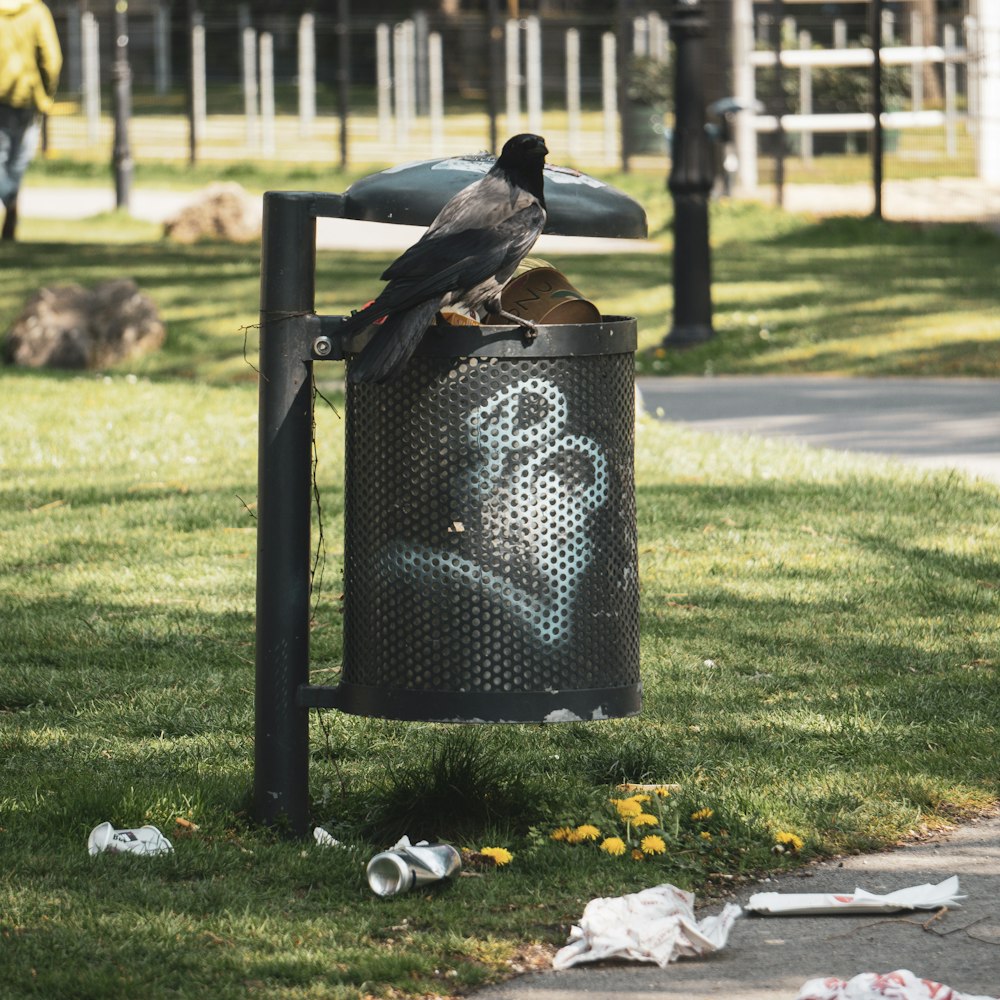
x=900 y=55
x=805 y=58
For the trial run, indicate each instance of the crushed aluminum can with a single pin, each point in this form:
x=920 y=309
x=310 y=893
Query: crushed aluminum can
x=408 y=865
x=144 y=840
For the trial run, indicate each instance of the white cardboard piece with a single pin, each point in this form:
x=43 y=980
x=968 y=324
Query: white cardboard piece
x=917 y=897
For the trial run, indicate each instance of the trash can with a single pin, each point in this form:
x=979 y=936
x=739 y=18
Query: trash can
x=490 y=569
x=490 y=548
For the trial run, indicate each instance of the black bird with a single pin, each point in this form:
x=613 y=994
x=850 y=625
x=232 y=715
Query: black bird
x=463 y=260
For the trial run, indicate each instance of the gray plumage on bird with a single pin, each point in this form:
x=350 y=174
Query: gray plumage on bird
x=462 y=261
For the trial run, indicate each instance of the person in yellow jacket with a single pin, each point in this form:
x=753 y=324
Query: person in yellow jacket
x=30 y=61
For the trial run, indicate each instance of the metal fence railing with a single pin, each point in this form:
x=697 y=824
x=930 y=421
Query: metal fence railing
x=356 y=86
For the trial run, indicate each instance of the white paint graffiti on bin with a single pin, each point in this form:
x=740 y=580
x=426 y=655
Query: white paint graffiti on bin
x=530 y=493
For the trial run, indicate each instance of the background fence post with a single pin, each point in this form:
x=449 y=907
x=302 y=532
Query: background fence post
x=343 y=74
x=307 y=74
x=197 y=88
x=121 y=76
x=876 y=84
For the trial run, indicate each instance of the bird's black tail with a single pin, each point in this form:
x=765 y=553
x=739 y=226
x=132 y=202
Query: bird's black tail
x=386 y=354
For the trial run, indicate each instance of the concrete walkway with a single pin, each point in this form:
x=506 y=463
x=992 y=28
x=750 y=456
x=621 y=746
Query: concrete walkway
x=769 y=958
x=154 y=205
x=933 y=423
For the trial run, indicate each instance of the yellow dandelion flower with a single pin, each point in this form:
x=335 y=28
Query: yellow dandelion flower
x=627 y=808
x=637 y=855
x=641 y=798
x=586 y=832
x=789 y=840
x=705 y=835
x=653 y=845
x=499 y=854
x=663 y=793
x=644 y=819
x=613 y=845
x=560 y=833
x=702 y=814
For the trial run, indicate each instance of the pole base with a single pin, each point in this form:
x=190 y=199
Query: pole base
x=689 y=335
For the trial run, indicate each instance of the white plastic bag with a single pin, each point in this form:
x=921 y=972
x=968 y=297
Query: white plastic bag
x=655 y=925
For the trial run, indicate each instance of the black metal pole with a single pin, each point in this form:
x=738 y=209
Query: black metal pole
x=781 y=106
x=284 y=508
x=623 y=39
x=691 y=175
x=121 y=76
x=878 y=139
x=494 y=70
x=343 y=73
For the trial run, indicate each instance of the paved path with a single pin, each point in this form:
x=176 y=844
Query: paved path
x=939 y=423
x=925 y=199
x=331 y=234
x=769 y=958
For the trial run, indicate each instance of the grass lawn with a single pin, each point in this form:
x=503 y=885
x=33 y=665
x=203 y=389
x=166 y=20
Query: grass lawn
x=792 y=295
x=819 y=641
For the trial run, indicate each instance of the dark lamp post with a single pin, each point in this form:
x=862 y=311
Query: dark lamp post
x=692 y=172
x=121 y=75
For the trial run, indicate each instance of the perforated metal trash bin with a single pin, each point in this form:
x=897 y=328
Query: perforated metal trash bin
x=490 y=543
x=491 y=564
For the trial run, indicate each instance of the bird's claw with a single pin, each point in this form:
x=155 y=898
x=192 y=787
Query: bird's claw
x=529 y=327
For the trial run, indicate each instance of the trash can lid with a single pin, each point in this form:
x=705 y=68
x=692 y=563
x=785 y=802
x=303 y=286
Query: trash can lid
x=414 y=193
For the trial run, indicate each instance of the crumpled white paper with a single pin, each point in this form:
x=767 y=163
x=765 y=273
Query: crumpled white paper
x=899 y=985
x=917 y=897
x=655 y=925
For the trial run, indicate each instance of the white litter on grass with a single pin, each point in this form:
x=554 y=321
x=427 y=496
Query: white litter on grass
x=655 y=925
x=105 y=839
x=324 y=839
x=917 y=897
x=899 y=985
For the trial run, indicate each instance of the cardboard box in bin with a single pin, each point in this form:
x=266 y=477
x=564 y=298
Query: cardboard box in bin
x=544 y=295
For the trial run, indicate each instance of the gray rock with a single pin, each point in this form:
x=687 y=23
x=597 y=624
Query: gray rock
x=68 y=326
x=221 y=212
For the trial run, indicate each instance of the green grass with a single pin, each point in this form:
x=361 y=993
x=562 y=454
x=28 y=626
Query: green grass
x=791 y=294
x=819 y=638
x=819 y=648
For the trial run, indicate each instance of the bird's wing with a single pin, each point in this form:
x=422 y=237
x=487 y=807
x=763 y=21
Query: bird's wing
x=486 y=203
x=453 y=257
x=458 y=261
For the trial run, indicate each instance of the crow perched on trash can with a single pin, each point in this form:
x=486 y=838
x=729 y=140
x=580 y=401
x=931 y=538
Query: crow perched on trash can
x=463 y=260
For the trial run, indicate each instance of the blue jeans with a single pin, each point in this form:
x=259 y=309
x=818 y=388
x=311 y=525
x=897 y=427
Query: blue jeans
x=19 y=132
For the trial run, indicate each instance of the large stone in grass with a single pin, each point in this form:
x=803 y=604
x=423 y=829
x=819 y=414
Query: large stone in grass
x=68 y=326
x=220 y=212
